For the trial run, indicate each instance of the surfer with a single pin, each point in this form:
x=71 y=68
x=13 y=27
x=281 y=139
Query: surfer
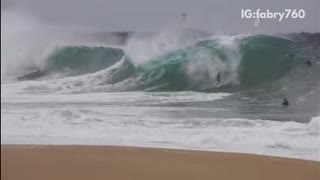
x=285 y=102
x=308 y=62
x=219 y=77
x=291 y=55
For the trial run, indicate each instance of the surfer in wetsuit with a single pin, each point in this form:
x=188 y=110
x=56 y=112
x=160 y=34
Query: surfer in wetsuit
x=285 y=102
x=219 y=77
x=308 y=62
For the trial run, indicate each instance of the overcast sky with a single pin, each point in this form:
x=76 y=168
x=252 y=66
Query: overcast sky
x=146 y=15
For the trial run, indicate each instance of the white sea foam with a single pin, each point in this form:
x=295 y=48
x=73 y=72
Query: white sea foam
x=149 y=120
x=314 y=125
x=142 y=50
x=27 y=42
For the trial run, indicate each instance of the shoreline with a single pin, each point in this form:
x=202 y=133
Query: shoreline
x=122 y=162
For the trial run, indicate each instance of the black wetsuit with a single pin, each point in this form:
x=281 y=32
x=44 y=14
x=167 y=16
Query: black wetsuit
x=308 y=63
x=218 y=77
x=285 y=102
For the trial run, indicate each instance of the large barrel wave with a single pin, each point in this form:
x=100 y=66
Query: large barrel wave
x=241 y=61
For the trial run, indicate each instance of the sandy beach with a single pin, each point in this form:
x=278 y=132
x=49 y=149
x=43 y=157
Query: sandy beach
x=122 y=163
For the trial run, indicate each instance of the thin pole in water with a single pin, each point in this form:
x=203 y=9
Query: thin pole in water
x=184 y=17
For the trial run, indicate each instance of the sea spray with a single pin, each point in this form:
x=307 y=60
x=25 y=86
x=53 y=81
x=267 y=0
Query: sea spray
x=314 y=126
x=142 y=49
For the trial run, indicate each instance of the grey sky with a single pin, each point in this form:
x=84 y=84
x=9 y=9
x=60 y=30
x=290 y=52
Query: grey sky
x=212 y=15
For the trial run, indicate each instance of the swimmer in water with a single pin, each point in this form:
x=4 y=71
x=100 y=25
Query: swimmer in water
x=308 y=62
x=219 y=77
x=285 y=102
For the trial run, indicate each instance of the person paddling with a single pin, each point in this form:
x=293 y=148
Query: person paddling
x=285 y=102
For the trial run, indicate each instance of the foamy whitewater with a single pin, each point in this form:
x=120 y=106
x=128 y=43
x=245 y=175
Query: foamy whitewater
x=160 y=89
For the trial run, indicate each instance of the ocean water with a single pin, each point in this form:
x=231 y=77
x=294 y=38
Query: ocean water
x=162 y=90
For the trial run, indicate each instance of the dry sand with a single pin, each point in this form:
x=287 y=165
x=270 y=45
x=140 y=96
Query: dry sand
x=125 y=163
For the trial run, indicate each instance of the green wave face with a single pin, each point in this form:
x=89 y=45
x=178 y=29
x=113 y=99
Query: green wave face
x=170 y=72
x=247 y=62
x=241 y=62
x=81 y=60
x=266 y=58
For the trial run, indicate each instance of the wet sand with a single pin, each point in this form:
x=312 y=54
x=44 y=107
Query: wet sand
x=20 y=162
